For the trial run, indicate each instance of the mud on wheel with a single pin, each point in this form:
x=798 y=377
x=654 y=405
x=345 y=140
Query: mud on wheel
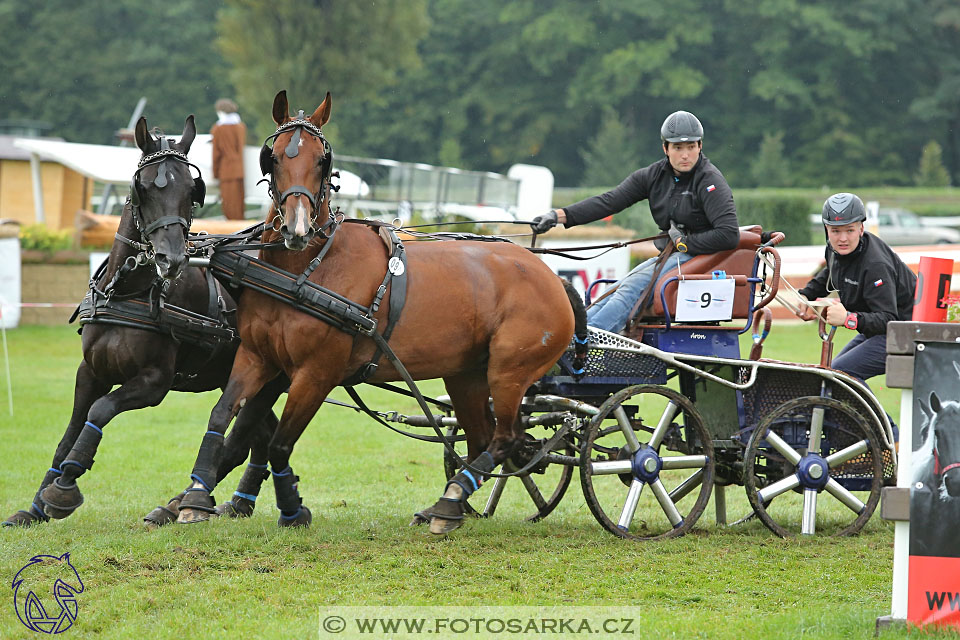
x=647 y=464
x=814 y=466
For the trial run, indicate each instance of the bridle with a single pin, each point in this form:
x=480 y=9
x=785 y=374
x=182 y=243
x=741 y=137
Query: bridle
x=161 y=157
x=267 y=166
x=937 y=469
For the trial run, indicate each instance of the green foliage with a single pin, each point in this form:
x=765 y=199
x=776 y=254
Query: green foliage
x=351 y=49
x=39 y=237
x=82 y=66
x=489 y=84
x=788 y=214
x=932 y=173
x=612 y=154
x=771 y=168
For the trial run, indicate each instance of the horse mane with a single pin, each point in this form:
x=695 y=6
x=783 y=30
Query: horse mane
x=923 y=460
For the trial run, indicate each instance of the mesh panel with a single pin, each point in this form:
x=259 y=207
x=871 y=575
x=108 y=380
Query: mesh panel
x=604 y=361
x=774 y=387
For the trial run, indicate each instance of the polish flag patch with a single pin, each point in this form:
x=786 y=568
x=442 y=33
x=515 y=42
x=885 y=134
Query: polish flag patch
x=878 y=283
x=711 y=188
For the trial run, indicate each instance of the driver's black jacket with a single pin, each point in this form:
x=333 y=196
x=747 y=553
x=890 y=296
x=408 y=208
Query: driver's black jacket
x=872 y=281
x=699 y=201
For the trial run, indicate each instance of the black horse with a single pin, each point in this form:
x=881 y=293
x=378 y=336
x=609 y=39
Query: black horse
x=935 y=495
x=150 y=324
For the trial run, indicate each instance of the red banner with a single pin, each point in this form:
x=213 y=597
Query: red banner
x=933 y=585
x=934 y=591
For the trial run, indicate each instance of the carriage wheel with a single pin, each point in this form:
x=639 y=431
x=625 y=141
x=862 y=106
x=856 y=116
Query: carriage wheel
x=647 y=464
x=813 y=466
x=544 y=486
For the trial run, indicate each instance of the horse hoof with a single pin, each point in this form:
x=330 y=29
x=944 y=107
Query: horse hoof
x=60 y=501
x=197 y=505
x=236 y=508
x=163 y=515
x=302 y=518
x=419 y=518
x=192 y=516
x=159 y=517
x=441 y=526
x=22 y=519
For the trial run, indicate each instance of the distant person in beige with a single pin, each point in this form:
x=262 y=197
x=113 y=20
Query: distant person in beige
x=229 y=136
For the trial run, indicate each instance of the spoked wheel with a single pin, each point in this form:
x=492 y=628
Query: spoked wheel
x=542 y=488
x=647 y=464
x=813 y=466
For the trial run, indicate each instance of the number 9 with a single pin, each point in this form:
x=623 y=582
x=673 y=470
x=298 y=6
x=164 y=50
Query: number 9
x=705 y=298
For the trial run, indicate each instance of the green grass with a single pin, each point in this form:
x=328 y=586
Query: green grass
x=245 y=579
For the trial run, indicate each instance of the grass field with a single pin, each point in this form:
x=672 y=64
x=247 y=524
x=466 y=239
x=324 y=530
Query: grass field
x=248 y=579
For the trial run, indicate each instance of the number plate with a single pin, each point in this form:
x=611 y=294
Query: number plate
x=705 y=300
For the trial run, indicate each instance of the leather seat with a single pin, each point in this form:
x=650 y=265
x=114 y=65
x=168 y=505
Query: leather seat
x=737 y=261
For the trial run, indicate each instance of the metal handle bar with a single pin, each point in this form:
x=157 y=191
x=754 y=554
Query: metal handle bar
x=775 y=283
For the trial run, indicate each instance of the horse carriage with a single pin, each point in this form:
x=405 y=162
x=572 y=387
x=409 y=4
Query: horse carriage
x=654 y=419
x=669 y=411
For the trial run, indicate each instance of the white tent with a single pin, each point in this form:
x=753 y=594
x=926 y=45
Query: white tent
x=116 y=165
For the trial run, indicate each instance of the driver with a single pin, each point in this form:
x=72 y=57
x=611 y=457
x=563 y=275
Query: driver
x=689 y=199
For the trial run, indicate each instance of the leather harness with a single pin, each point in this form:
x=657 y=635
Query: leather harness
x=235 y=268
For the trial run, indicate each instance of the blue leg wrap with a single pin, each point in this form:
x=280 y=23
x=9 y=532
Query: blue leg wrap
x=205 y=468
x=285 y=486
x=84 y=449
x=249 y=485
x=468 y=480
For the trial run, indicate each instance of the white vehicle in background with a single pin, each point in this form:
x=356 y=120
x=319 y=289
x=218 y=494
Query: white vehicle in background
x=899 y=227
x=903 y=227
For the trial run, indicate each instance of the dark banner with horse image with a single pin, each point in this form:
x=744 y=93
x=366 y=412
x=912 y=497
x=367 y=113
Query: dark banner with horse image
x=934 y=582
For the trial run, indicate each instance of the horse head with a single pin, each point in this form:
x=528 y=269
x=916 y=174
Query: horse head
x=299 y=164
x=163 y=193
x=945 y=426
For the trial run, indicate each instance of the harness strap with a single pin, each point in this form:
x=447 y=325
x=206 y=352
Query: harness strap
x=408 y=379
x=647 y=294
x=177 y=322
x=312 y=299
x=396 y=278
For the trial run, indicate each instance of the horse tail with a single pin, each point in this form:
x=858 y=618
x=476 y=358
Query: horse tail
x=580 y=327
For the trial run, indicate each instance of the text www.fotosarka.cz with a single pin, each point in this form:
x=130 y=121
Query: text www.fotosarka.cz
x=475 y=622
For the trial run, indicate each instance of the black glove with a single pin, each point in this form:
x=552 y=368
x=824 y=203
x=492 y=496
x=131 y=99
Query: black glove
x=676 y=237
x=542 y=224
x=660 y=242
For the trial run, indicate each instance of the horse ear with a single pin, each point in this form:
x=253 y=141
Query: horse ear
x=321 y=116
x=935 y=402
x=189 y=133
x=281 y=111
x=142 y=135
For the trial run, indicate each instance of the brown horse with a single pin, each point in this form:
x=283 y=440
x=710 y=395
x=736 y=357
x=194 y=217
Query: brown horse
x=489 y=318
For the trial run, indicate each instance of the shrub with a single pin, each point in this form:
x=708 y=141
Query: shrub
x=932 y=173
x=789 y=214
x=38 y=237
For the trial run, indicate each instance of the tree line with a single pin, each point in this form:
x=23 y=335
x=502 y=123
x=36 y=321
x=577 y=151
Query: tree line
x=791 y=92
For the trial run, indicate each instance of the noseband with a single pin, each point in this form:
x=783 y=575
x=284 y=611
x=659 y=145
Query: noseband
x=267 y=162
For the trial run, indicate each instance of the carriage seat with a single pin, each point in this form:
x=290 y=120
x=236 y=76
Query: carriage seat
x=735 y=262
